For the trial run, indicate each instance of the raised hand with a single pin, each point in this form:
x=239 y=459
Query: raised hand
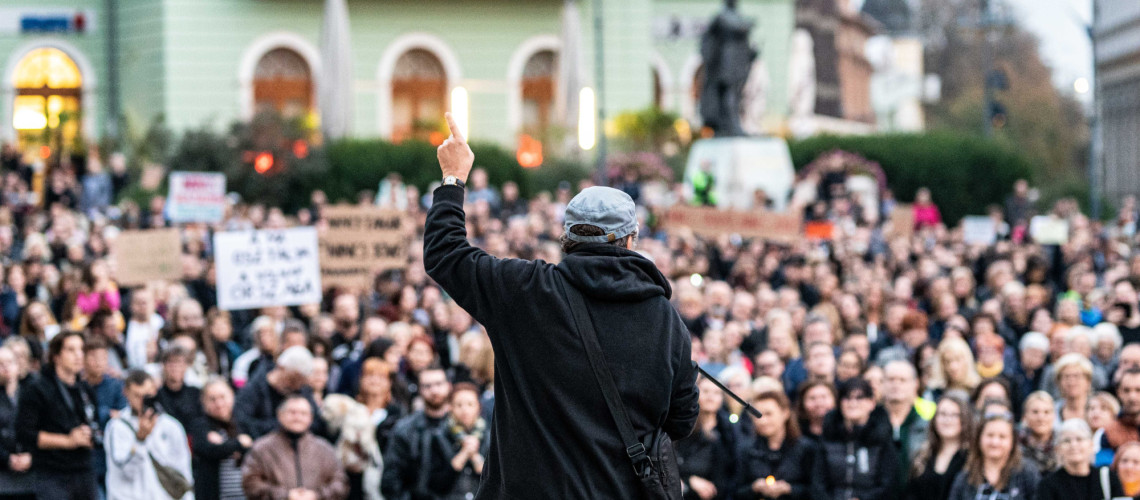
x=455 y=156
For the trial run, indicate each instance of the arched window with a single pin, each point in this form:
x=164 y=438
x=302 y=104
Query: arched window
x=419 y=95
x=538 y=91
x=283 y=82
x=48 y=90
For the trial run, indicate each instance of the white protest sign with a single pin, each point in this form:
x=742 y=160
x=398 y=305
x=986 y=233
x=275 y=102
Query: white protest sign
x=1049 y=230
x=267 y=268
x=197 y=197
x=979 y=230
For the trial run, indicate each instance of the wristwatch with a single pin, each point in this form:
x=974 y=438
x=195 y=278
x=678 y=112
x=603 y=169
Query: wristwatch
x=452 y=180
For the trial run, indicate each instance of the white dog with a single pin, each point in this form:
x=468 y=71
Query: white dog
x=356 y=447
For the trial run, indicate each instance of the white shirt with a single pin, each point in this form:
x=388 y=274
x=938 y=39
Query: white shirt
x=139 y=335
x=130 y=471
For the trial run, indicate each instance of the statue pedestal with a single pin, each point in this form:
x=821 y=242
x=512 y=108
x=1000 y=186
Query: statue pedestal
x=740 y=166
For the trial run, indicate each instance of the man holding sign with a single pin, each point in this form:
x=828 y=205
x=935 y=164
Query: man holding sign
x=552 y=436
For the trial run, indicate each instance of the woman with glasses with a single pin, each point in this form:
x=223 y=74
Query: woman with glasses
x=1036 y=435
x=1076 y=479
x=994 y=468
x=858 y=459
x=943 y=455
x=776 y=463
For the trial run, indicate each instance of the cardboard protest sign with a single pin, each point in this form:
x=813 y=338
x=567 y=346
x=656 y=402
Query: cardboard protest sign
x=361 y=241
x=1049 y=230
x=902 y=221
x=139 y=257
x=711 y=222
x=267 y=268
x=979 y=230
x=196 y=197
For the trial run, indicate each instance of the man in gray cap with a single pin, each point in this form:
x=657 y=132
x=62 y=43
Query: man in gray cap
x=552 y=435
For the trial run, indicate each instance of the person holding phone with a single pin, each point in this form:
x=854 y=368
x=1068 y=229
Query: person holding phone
x=141 y=440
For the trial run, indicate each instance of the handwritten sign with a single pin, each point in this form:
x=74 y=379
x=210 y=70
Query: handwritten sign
x=979 y=230
x=707 y=221
x=139 y=257
x=197 y=197
x=267 y=268
x=361 y=241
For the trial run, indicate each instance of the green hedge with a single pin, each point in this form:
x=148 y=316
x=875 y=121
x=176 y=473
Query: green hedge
x=964 y=173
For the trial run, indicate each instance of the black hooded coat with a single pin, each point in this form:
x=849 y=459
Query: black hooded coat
x=857 y=463
x=552 y=435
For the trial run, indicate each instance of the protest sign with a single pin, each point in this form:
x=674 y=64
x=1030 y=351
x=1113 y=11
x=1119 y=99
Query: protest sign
x=1049 y=230
x=139 y=257
x=196 y=197
x=361 y=241
x=979 y=230
x=708 y=221
x=267 y=268
x=902 y=221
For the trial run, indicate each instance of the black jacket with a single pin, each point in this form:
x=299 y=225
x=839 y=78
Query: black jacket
x=1022 y=484
x=710 y=457
x=791 y=463
x=410 y=473
x=857 y=464
x=208 y=456
x=255 y=409
x=552 y=435
x=43 y=408
x=185 y=405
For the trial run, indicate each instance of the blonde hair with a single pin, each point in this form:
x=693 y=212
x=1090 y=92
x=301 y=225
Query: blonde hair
x=1072 y=360
x=954 y=346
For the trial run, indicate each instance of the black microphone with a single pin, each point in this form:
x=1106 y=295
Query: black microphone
x=753 y=411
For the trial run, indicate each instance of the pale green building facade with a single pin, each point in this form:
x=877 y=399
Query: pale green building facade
x=200 y=62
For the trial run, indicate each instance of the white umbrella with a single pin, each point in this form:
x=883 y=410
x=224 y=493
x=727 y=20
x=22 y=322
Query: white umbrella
x=335 y=92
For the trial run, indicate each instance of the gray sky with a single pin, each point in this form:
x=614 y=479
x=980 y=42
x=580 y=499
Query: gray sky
x=1059 y=24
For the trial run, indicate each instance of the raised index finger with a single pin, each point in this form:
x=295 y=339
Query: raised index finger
x=455 y=132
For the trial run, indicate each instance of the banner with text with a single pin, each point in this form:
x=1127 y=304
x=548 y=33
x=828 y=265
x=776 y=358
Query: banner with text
x=360 y=242
x=139 y=257
x=267 y=268
x=707 y=221
x=979 y=230
x=197 y=197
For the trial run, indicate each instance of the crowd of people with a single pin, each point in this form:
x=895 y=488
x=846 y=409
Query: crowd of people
x=887 y=362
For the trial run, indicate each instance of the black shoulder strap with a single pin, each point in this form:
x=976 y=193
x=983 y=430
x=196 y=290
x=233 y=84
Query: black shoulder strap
x=633 y=446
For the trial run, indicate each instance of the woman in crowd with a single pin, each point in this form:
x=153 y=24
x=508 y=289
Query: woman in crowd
x=705 y=459
x=38 y=327
x=1102 y=412
x=319 y=378
x=994 y=389
x=376 y=396
x=220 y=328
x=217 y=446
x=1073 y=376
x=1036 y=434
x=849 y=365
x=1076 y=480
x=1127 y=467
x=954 y=369
x=467 y=436
x=857 y=455
x=776 y=463
x=98 y=290
x=994 y=466
x=943 y=455
x=814 y=401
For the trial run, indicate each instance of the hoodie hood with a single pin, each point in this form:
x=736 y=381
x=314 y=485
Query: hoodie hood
x=877 y=430
x=603 y=271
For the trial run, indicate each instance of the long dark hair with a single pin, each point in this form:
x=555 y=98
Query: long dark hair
x=975 y=463
x=791 y=427
x=933 y=445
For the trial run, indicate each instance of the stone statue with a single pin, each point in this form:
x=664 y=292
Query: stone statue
x=728 y=59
